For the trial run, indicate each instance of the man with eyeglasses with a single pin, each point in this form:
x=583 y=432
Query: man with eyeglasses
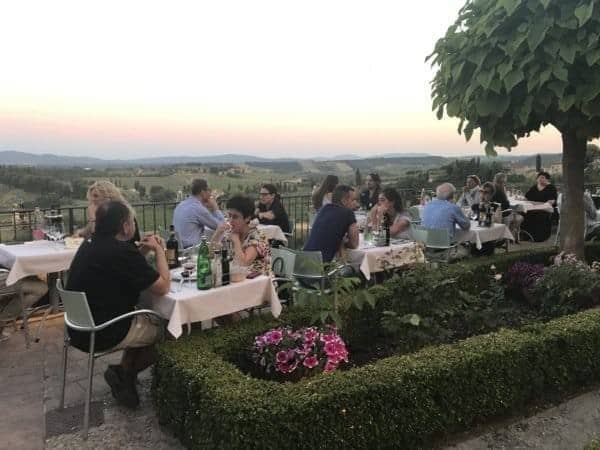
x=196 y=213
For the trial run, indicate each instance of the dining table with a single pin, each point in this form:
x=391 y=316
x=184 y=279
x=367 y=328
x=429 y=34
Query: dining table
x=370 y=258
x=477 y=234
x=185 y=304
x=35 y=257
x=525 y=206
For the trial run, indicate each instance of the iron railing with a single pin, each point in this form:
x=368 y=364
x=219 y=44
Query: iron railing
x=16 y=225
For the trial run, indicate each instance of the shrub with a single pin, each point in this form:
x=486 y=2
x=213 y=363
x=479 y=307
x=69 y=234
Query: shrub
x=402 y=401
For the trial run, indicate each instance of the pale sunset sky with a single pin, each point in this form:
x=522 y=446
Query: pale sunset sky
x=271 y=78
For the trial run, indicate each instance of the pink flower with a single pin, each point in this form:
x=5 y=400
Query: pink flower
x=330 y=348
x=310 y=334
x=311 y=362
x=274 y=337
x=329 y=367
x=287 y=368
x=282 y=357
x=334 y=359
x=329 y=337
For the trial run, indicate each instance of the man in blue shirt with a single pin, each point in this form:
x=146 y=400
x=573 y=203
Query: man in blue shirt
x=333 y=223
x=195 y=213
x=443 y=213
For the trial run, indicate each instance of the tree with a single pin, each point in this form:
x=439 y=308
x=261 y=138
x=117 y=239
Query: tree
x=538 y=163
x=509 y=67
x=358 y=177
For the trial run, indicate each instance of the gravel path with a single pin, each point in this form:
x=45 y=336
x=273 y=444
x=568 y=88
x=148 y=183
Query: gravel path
x=122 y=429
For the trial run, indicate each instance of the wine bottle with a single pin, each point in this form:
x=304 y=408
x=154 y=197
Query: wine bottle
x=224 y=267
x=386 y=226
x=172 y=249
x=203 y=272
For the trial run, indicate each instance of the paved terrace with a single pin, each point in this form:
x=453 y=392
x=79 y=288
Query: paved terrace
x=30 y=394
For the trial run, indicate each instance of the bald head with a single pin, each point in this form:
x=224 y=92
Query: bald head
x=445 y=191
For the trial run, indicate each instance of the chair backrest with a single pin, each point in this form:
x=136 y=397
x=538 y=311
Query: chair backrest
x=77 y=310
x=308 y=263
x=291 y=228
x=414 y=213
x=431 y=237
x=282 y=262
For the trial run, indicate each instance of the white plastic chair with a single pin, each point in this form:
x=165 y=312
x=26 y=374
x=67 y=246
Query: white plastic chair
x=79 y=317
x=437 y=240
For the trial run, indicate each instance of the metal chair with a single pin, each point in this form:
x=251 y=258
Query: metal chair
x=290 y=234
x=10 y=292
x=79 y=317
x=437 y=240
x=310 y=272
x=282 y=265
x=415 y=215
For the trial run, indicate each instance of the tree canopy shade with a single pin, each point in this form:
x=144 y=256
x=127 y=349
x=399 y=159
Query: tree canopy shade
x=509 y=67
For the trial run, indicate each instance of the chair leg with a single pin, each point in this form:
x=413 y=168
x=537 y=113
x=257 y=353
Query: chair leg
x=25 y=321
x=65 y=355
x=88 y=397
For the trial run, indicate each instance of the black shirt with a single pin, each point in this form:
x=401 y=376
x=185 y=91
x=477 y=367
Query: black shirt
x=329 y=228
x=112 y=273
x=500 y=197
x=546 y=194
x=367 y=200
x=281 y=218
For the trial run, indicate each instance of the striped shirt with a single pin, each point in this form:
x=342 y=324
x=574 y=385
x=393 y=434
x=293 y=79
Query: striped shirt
x=442 y=214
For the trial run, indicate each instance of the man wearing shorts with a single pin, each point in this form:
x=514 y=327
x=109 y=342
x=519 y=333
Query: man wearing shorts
x=112 y=272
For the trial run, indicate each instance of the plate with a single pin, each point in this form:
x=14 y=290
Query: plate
x=176 y=275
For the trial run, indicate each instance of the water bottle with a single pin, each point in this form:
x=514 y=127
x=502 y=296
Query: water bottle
x=203 y=269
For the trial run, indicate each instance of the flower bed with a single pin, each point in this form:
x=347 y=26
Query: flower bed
x=205 y=396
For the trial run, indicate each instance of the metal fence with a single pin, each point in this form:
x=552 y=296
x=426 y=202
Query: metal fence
x=16 y=225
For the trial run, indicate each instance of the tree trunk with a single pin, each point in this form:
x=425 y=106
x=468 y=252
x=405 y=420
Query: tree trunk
x=571 y=211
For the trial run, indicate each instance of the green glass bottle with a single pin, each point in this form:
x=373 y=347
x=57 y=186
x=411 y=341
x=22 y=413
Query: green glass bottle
x=204 y=275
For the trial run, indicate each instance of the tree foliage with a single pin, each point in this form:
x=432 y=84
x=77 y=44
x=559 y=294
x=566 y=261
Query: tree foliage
x=509 y=67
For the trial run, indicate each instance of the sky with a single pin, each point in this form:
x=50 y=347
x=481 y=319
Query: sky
x=271 y=78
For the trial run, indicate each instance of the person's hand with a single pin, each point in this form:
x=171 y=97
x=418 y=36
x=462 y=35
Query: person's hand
x=268 y=215
x=235 y=238
x=152 y=242
x=211 y=204
x=466 y=189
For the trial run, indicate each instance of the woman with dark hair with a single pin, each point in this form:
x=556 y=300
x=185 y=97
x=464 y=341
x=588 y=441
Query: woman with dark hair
x=390 y=204
x=370 y=196
x=250 y=246
x=112 y=273
x=539 y=223
x=270 y=210
x=322 y=196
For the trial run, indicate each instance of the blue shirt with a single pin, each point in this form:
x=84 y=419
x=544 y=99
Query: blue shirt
x=442 y=214
x=329 y=228
x=191 y=217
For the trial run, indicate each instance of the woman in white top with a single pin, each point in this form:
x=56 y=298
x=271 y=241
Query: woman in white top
x=390 y=203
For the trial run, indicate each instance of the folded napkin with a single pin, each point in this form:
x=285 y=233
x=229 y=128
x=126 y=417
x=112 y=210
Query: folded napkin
x=73 y=242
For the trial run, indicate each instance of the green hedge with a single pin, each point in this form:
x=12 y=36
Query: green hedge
x=403 y=401
x=399 y=402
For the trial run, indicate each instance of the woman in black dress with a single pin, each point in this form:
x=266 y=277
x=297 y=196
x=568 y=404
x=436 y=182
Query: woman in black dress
x=539 y=223
x=270 y=210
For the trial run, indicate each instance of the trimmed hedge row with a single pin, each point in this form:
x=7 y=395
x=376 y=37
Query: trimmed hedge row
x=403 y=401
x=399 y=402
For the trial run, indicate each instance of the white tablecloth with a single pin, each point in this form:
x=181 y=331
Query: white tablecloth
x=478 y=235
x=191 y=305
x=34 y=258
x=525 y=206
x=377 y=259
x=273 y=232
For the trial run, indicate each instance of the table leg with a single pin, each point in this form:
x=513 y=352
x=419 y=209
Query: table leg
x=54 y=303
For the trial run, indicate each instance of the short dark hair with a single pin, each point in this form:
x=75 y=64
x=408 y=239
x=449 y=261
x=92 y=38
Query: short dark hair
x=199 y=185
x=110 y=217
x=243 y=204
x=340 y=192
x=269 y=188
x=543 y=174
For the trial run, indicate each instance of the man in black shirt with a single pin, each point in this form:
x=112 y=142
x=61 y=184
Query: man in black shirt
x=112 y=272
x=333 y=223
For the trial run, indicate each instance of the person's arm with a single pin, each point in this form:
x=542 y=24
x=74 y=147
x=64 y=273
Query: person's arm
x=353 y=236
x=209 y=219
x=163 y=283
x=244 y=257
x=217 y=236
x=552 y=194
x=400 y=224
x=461 y=219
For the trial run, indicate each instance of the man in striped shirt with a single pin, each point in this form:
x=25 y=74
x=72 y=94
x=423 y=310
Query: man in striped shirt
x=443 y=213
